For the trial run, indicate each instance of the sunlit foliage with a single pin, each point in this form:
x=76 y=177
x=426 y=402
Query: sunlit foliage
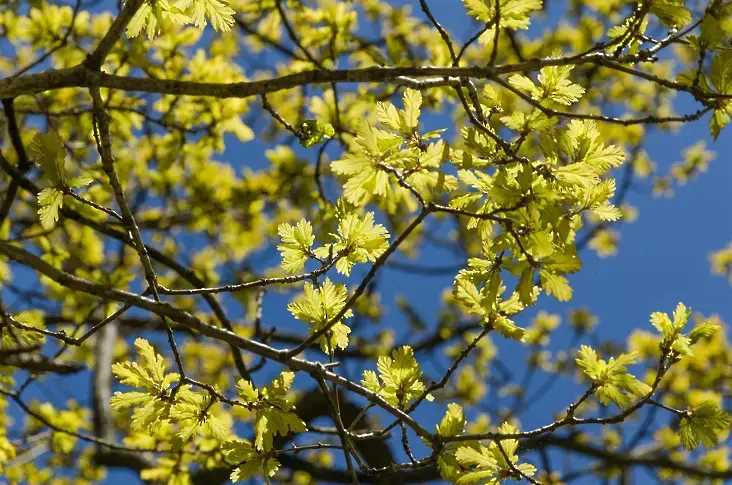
x=166 y=162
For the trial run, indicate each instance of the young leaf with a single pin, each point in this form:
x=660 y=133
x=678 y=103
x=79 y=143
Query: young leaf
x=388 y=115
x=508 y=328
x=703 y=330
x=489 y=464
x=358 y=240
x=703 y=424
x=556 y=285
x=611 y=380
x=314 y=132
x=720 y=72
x=296 y=244
x=49 y=152
x=412 y=103
x=195 y=415
x=662 y=323
x=453 y=423
x=152 y=406
x=681 y=316
x=718 y=121
x=50 y=200
x=247 y=460
x=80 y=181
x=399 y=378
x=317 y=306
x=671 y=13
x=217 y=11
x=523 y=83
x=364 y=178
x=274 y=412
x=514 y=13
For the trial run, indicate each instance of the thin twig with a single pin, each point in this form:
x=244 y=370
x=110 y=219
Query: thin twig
x=104 y=146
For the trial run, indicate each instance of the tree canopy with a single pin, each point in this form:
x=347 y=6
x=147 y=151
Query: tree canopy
x=199 y=200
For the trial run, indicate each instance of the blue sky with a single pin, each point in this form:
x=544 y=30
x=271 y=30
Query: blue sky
x=663 y=256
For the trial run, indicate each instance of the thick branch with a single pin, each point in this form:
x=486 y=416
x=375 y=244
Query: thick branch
x=41 y=363
x=96 y=59
x=24 y=163
x=80 y=76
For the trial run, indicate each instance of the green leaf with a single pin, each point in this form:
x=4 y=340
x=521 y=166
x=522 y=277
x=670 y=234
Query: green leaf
x=672 y=13
x=50 y=200
x=80 y=181
x=317 y=306
x=168 y=470
x=556 y=85
x=246 y=390
x=703 y=330
x=144 y=16
x=358 y=240
x=194 y=415
x=48 y=151
x=19 y=337
x=216 y=11
x=540 y=244
x=523 y=83
x=479 y=9
x=623 y=31
x=681 y=316
x=247 y=460
x=150 y=375
x=671 y=330
x=514 y=13
x=152 y=362
x=703 y=424
x=589 y=362
x=712 y=30
x=388 y=115
x=490 y=464
x=611 y=380
x=607 y=212
x=449 y=467
x=662 y=323
x=399 y=378
x=720 y=72
x=453 y=423
x=314 y=132
x=123 y=400
x=525 y=287
x=412 y=103
x=556 y=285
x=296 y=244
x=480 y=476
x=431 y=135
x=371 y=381
x=365 y=179
x=467 y=293
x=274 y=412
x=468 y=456
x=281 y=384
x=718 y=121
x=153 y=406
x=562 y=263
x=508 y=328
x=490 y=97
x=682 y=345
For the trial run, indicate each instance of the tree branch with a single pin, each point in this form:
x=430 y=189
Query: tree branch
x=164 y=309
x=81 y=76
